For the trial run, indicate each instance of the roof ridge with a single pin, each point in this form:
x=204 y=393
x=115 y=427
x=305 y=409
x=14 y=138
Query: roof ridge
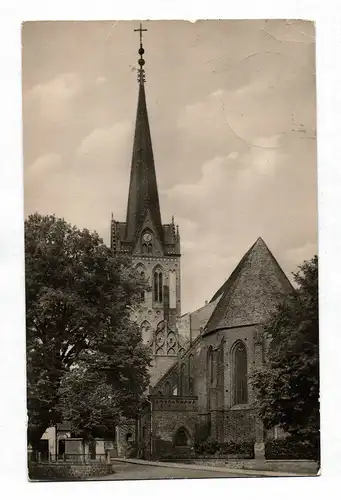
x=242 y=260
x=248 y=301
x=237 y=277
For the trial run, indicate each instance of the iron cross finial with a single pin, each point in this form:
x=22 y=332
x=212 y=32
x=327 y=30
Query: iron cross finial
x=141 y=61
x=140 y=29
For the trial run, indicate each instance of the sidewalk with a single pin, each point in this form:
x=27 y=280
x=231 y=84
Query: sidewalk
x=235 y=471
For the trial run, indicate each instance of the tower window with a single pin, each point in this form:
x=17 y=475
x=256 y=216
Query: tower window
x=158 y=286
x=143 y=277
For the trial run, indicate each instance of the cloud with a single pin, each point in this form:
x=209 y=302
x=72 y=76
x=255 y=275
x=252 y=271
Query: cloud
x=301 y=253
x=236 y=200
x=266 y=95
x=99 y=177
x=226 y=121
x=100 y=80
x=102 y=141
x=43 y=165
x=52 y=99
x=45 y=180
x=87 y=185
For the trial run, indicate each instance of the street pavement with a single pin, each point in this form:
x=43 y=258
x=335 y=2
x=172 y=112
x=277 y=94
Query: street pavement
x=131 y=471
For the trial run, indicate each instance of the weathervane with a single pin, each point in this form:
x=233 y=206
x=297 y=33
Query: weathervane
x=141 y=61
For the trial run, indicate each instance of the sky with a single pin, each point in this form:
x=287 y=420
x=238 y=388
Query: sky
x=232 y=111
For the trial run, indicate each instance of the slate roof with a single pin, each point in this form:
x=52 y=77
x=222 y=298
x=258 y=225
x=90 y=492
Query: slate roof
x=143 y=192
x=252 y=291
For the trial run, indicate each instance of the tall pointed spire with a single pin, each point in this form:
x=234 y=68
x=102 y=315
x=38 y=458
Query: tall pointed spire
x=143 y=192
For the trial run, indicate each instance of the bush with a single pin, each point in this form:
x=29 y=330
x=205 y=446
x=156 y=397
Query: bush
x=244 y=449
x=202 y=433
x=291 y=449
x=207 y=447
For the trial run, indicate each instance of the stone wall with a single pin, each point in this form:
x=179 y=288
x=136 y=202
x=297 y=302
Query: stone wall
x=50 y=472
x=165 y=424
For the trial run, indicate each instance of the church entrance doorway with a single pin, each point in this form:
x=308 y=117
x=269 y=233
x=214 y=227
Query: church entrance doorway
x=182 y=438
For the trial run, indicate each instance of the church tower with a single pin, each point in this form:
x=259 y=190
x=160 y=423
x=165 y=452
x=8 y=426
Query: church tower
x=154 y=247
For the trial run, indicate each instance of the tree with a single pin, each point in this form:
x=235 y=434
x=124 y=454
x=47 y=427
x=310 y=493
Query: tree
x=287 y=386
x=106 y=386
x=89 y=402
x=78 y=295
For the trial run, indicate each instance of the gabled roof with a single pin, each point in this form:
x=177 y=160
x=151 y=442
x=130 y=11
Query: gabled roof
x=252 y=291
x=143 y=192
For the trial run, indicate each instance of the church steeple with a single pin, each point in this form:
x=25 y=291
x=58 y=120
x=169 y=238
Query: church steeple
x=143 y=193
x=154 y=247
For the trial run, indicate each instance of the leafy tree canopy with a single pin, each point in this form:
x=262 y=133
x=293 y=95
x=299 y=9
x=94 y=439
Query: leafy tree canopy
x=287 y=386
x=78 y=300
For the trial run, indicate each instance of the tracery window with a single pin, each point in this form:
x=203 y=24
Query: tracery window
x=239 y=373
x=158 y=286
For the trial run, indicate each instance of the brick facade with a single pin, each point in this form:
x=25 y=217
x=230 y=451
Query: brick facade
x=207 y=370
x=202 y=361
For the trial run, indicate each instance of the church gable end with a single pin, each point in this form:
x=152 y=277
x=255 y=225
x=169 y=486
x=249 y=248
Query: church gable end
x=252 y=292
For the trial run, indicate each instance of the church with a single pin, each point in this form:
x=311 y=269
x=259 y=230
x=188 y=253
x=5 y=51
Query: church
x=202 y=361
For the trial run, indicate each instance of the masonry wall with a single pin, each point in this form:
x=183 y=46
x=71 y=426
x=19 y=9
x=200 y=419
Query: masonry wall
x=229 y=422
x=191 y=325
x=168 y=416
x=238 y=421
x=68 y=471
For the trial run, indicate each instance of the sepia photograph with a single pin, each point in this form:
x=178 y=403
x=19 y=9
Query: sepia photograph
x=171 y=256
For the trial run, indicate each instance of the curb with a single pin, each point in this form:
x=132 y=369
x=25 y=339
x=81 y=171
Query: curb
x=247 y=472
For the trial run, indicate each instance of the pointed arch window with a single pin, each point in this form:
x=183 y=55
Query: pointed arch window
x=168 y=389
x=190 y=375
x=158 y=286
x=182 y=380
x=143 y=277
x=141 y=273
x=239 y=373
